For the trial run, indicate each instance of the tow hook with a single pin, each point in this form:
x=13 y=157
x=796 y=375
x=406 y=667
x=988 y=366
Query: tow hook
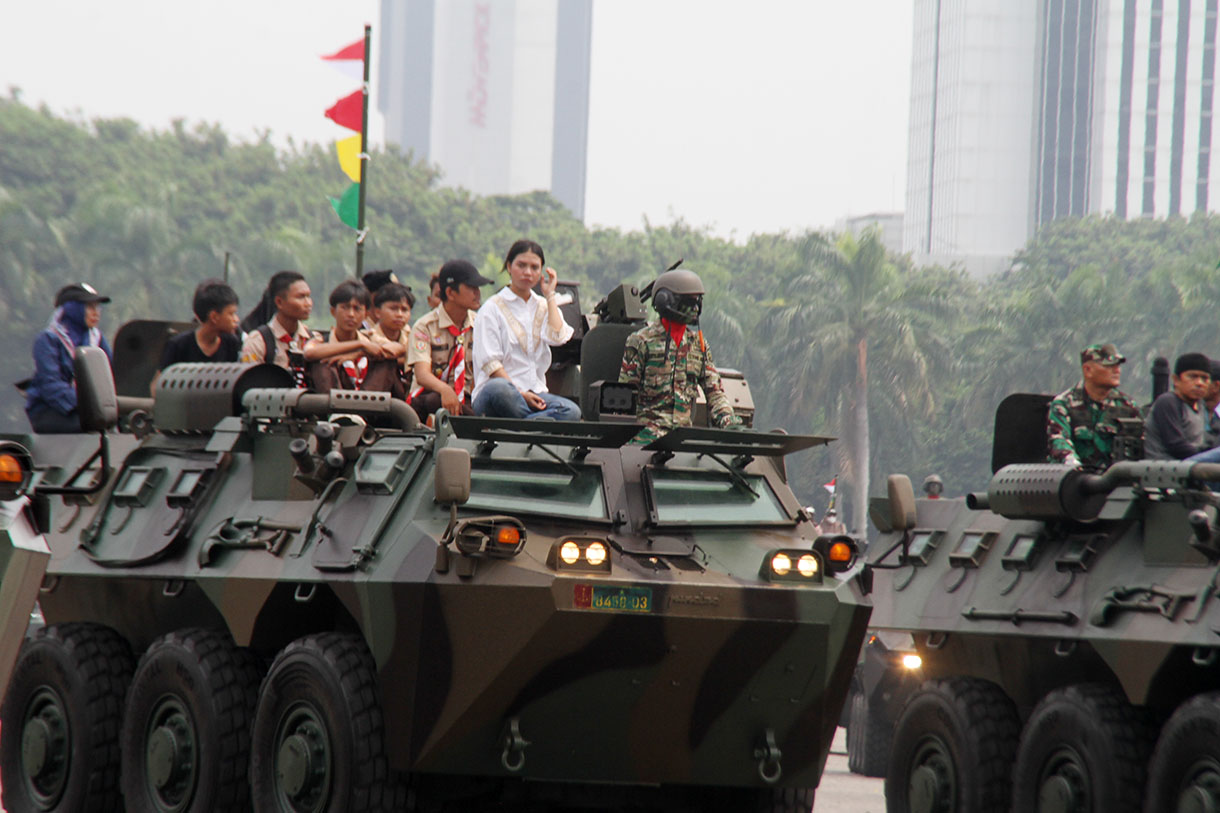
x=513 y=755
x=768 y=756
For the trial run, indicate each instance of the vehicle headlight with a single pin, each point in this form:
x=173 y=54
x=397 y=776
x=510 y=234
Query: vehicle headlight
x=583 y=554
x=793 y=566
x=595 y=554
x=912 y=661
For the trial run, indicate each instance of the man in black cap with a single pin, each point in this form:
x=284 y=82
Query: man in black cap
x=50 y=397
x=439 y=353
x=1175 y=424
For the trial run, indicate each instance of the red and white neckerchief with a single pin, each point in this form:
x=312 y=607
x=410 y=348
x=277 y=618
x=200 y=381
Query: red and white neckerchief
x=295 y=357
x=455 y=370
x=356 y=370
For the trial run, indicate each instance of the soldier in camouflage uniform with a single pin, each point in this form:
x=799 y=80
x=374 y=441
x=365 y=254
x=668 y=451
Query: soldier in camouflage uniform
x=1083 y=421
x=669 y=359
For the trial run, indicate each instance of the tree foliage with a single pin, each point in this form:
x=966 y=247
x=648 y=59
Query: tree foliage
x=145 y=215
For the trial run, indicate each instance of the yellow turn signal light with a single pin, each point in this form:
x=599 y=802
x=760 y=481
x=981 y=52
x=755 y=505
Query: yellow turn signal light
x=507 y=535
x=10 y=469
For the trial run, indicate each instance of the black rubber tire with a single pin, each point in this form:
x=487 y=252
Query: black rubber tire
x=868 y=739
x=204 y=679
x=740 y=800
x=79 y=674
x=955 y=742
x=787 y=800
x=1086 y=741
x=320 y=686
x=1186 y=759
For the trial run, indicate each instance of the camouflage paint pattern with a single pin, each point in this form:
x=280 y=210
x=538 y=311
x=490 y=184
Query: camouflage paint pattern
x=683 y=690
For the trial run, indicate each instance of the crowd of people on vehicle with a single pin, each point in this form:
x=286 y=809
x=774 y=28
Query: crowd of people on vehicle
x=464 y=355
x=1094 y=424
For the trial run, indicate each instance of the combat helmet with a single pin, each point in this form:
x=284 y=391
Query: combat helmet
x=933 y=485
x=678 y=296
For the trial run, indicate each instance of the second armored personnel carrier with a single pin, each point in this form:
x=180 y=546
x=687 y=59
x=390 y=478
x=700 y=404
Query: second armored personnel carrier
x=262 y=597
x=1069 y=634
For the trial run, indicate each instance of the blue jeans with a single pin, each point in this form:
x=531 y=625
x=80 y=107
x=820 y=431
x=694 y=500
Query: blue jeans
x=500 y=399
x=49 y=422
x=1206 y=456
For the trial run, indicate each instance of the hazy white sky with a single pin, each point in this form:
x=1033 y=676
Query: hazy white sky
x=742 y=116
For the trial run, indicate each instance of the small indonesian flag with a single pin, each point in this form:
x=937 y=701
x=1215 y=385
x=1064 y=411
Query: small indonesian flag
x=349 y=60
x=831 y=485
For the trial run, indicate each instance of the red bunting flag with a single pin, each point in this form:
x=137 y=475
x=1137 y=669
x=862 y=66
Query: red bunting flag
x=353 y=51
x=348 y=111
x=831 y=485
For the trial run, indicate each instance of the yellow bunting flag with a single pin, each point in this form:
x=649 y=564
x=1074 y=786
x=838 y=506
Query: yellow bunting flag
x=349 y=156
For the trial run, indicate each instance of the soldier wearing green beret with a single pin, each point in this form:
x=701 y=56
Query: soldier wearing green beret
x=669 y=360
x=1083 y=421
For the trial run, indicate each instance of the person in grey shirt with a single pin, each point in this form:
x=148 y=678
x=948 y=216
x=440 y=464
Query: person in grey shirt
x=1175 y=424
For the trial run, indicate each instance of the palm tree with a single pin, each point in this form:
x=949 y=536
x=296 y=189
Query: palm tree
x=858 y=327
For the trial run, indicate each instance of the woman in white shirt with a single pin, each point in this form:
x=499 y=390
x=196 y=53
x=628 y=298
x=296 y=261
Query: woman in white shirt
x=514 y=332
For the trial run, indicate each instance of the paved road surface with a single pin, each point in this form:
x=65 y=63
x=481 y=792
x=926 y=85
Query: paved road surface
x=842 y=791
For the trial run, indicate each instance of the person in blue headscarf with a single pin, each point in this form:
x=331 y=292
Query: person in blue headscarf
x=50 y=397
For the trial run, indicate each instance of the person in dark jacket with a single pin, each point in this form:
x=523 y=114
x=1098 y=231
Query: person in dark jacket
x=50 y=398
x=1175 y=425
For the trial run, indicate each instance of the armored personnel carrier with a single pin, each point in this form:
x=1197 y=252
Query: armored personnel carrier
x=1067 y=626
x=256 y=596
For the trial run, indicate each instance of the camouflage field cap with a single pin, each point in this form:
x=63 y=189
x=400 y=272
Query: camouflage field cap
x=1104 y=354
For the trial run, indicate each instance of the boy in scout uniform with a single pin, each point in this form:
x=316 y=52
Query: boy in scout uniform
x=439 y=350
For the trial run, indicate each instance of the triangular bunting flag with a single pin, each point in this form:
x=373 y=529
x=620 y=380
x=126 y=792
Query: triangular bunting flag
x=349 y=156
x=347 y=111
x=353 y=51
x=347 y=206
x=349 y=61
x=831 y=485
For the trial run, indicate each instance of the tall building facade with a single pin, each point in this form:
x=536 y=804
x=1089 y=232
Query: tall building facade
x=1024 y=113
x=494 y=93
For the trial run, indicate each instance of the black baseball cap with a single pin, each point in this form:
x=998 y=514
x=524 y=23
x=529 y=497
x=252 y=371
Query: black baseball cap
x=79 y=292
x=460 y=272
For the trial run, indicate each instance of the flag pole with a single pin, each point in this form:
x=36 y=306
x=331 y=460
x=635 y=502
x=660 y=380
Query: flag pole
x=364 y=155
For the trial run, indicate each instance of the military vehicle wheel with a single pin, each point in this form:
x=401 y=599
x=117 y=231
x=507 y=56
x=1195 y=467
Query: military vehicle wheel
x=868 y=739
x=317 y=741
x=1084 y=748
x=61 y=717
x=186 y=730
x=1185 y=771
x=953 y=749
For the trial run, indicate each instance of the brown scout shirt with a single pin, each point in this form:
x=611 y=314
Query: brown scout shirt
x=253 y=349
x=431 y=341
